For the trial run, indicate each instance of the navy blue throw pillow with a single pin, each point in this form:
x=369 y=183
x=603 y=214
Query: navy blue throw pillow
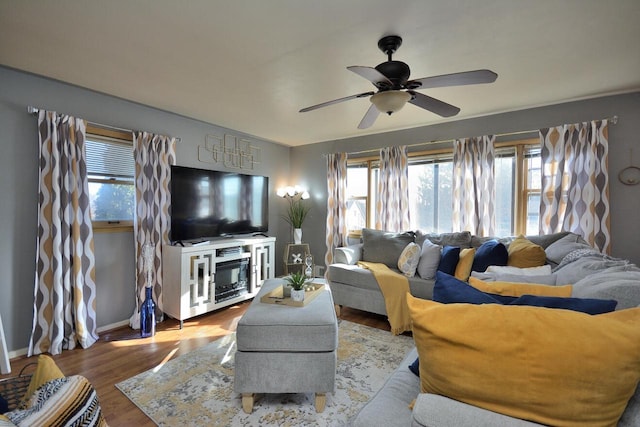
x=448 y=289
x=449 y=259
x=489 y=253
x=585 y=305
x=415 y=367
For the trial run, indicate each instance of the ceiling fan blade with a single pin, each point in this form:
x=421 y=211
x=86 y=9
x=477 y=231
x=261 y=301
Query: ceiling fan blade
x=371 y=74
x=335 y=101
x=434 y=105
x=369 y=118
x=454 y=79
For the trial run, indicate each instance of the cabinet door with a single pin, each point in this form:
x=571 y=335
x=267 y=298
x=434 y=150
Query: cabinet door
x=262 y=259
x=198 y=290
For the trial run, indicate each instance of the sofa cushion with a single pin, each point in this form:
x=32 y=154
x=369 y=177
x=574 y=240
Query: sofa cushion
x=383 y=246
x=449 y=259
x=541 y=270
x=489 y=253
x=46 y=370
x=523 y=253
x=408 y=260
x=492 y=276
x=461 y=239
x=561 y=247
x=519 y=289
x=463 y=268
x=429 y=259
x=555 y=366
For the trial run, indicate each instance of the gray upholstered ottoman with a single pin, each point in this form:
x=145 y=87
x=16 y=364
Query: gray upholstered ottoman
x=284 y=349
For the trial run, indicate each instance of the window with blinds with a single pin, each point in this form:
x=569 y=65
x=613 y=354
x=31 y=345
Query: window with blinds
x=110 y=170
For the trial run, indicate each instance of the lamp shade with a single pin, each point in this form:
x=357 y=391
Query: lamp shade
x=390 y=101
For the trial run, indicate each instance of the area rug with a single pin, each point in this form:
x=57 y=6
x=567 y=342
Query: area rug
x=196 y=389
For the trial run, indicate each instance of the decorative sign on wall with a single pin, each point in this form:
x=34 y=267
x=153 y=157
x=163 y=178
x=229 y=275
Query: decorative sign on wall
x=231 y=151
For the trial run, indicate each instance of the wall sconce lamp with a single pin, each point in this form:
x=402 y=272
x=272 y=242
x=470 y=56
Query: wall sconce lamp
x=290 y=192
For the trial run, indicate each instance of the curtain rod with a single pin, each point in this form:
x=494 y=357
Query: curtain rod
x=34 y=110
x=613 y=120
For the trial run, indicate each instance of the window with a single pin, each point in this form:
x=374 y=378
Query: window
x=517 y=177
x=110 y=170
x=358 y=201
x=431 y=185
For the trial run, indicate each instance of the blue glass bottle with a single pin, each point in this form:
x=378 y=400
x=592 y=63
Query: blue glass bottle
x=148 y=315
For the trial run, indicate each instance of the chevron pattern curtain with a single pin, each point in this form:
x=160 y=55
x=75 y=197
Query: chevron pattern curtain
x=392 y=206
x=474 y=189
x=336 y=233
x=154 y=155
x=65 y=290
x=575 y=182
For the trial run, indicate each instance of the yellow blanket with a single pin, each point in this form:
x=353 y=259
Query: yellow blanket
x=394 y=287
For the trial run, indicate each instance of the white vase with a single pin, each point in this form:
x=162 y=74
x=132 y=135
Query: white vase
x=297 y=295
x=297 y=236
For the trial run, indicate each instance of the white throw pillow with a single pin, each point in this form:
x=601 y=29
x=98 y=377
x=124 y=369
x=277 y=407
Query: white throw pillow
x=429 y=259
x=542 y=270
x=408 y=261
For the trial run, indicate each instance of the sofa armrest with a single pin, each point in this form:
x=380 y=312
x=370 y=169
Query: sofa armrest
x=348 y=254
x=432 y=410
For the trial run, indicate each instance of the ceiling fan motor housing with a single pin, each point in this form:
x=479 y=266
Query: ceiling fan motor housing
x=396 y=71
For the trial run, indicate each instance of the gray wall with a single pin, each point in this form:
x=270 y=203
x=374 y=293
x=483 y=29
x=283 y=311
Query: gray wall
x=309 y=166
x=304 y=165
x=114 y=251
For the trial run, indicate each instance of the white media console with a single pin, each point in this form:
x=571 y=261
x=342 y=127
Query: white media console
x=207 y=276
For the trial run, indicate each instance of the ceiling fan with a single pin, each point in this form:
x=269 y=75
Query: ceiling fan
x=391 y=78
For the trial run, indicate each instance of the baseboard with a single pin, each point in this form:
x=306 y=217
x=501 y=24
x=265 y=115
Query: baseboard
x=113 y=326
x=23 y=351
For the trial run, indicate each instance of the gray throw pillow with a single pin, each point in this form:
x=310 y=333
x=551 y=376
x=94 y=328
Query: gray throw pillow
x=384 y=246
x=429 y=260
x=557 y=250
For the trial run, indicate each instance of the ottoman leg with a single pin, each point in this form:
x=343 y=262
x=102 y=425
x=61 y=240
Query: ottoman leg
x=321 y=401
x=247 y=402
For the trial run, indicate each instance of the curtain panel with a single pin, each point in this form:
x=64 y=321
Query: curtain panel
x=575 y=182
x=392 y=206
x=474 y=189
x=64 y=291
x=154 y=155
x=336 y=230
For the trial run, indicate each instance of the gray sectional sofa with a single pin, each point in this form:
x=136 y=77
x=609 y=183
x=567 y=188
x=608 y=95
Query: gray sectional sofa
x=593 y=275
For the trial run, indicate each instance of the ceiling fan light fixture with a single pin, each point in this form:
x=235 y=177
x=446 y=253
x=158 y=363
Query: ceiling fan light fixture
x=390 y=101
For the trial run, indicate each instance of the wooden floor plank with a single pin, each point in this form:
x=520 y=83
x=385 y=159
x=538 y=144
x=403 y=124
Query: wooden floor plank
x=121 y=353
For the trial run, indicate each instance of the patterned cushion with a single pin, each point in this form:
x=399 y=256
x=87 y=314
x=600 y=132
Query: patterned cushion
x=409 y=258
x=66 y=402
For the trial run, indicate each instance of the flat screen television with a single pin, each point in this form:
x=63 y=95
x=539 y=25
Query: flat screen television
x=208 y=203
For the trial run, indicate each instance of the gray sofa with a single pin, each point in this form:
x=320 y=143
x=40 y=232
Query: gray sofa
x=593 y=275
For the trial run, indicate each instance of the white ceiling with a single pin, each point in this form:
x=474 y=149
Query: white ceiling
x=250 y=65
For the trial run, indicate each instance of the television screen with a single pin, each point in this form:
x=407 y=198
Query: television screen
x=208 y=203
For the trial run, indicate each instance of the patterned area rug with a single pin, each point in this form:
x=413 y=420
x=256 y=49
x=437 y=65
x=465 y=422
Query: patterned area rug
x=196 y=389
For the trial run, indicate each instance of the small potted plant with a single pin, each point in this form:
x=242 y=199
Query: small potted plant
x=296 y=281
x=296 y=214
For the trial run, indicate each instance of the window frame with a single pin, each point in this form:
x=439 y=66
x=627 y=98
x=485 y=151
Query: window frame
x=121 y=137
x=522 y=189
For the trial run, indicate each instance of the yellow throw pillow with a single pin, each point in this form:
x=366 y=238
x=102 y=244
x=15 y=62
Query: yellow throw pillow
x=554 y=367
x=511 y=289
x=46 y=370
x=524 y=253
x=463 y=268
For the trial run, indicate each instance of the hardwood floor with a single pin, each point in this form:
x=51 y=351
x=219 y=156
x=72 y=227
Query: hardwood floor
x=121 y=354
